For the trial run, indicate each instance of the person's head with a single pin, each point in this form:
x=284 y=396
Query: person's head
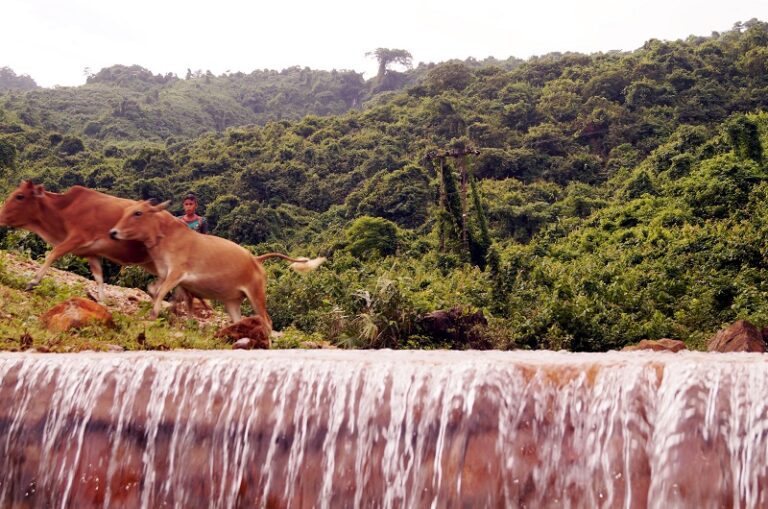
x=190 y=204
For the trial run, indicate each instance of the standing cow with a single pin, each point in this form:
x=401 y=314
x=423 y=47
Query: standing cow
x=205 y=265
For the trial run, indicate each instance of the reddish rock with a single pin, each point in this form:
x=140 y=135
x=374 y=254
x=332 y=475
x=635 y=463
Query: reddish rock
x=657 y=345
x=76 y=312
x=252 y=328
x=742 y=336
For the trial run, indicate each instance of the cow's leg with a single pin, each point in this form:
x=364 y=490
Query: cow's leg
x=190 y=297
x=98 y=274
x=233 y=309
x=178 y=296
x=152 y=287
x=54 y=254
x=205 y=304
x=256 y=293
x=166 y=285
x=181 y=294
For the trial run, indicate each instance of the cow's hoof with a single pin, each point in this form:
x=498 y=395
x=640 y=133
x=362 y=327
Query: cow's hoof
x=30 y=286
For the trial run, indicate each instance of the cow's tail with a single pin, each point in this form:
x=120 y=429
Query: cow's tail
x=302 y=265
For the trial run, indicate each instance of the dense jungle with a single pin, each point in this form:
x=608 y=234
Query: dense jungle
x=568 y=201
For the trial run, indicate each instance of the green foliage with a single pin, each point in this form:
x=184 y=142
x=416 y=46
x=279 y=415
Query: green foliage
x=720 y=186
x=10 y=81
x=71 y=145
x=448 y=76
x=744 y=137
x=387 y=56
x=7 y=155
x=371 y=237
x=618 y=196
x=130 y=103
x=402 y=196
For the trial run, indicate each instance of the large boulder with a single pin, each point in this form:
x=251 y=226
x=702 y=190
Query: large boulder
x=657 y=345
x=459 y=327
x=741 y=336
x=252 y=327
x=74 y=313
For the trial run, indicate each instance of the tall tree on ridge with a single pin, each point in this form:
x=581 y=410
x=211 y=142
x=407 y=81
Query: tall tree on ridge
x=386 y=56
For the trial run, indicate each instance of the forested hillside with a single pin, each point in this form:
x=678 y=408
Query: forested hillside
x=610 y=197
x=9 y=80
x=125 y=103
x=129 y=103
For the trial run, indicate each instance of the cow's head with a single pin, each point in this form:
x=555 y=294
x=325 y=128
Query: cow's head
x=140 y=222
x=22 y=206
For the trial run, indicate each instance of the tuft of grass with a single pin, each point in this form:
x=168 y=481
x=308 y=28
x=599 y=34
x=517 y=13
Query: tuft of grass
x=291 y=337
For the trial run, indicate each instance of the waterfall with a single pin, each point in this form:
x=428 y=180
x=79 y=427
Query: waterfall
x=390 y=429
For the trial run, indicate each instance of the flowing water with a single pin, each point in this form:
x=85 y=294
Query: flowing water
x=334 y=429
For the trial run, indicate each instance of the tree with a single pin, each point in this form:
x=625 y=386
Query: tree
x=744 y=136
x=559 y=101
x=449 y=76
x=401 y=196
x=71 y=145
x=7 y=155
x=372 y=237
x=10 y=81
x=386 y=56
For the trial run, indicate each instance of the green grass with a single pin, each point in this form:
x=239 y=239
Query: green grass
x=21 y=328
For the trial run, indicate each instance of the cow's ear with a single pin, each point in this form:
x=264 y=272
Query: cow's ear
x=39 y=191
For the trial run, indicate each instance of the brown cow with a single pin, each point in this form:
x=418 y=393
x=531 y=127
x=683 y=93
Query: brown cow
x=74 y=222
x=205 y=265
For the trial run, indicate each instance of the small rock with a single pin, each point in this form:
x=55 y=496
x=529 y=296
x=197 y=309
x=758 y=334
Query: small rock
x=243 y=344
x=74 y=313
x=115 y=348
x=252 y=327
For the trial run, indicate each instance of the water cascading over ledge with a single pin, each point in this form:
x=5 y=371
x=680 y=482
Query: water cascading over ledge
x=383 y=429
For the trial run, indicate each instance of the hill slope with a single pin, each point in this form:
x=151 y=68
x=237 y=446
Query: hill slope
x=20 y=328
x=615 y=197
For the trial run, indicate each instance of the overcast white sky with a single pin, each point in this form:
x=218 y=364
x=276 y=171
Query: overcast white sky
x=55 y=40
